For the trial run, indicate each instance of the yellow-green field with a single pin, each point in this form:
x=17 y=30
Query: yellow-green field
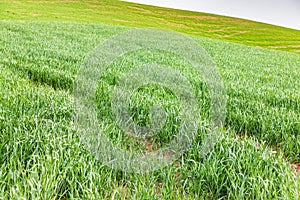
x=134 y=15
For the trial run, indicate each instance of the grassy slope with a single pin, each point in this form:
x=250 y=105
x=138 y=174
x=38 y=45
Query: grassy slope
x=128 y=14
x=41 y=156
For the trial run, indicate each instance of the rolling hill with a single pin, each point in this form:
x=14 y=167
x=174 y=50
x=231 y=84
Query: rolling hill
x=43 y=45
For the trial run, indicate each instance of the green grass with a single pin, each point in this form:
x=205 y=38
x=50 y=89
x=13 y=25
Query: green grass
x=128 y=14
x=41 y=156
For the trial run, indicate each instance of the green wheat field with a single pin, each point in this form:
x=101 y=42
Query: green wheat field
x=44 y=43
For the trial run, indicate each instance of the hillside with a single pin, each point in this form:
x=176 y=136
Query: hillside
x=43 y=45
x=128 y=14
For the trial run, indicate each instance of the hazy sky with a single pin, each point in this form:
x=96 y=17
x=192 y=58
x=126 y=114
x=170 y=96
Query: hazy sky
x=280 y=12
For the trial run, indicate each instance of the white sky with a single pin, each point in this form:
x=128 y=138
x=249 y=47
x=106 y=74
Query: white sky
x=279 y=12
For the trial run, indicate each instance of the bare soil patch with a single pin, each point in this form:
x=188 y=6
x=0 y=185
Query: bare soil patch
x=297 y=167
x=122 y=20
x=142 y=10
x=35 y=14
